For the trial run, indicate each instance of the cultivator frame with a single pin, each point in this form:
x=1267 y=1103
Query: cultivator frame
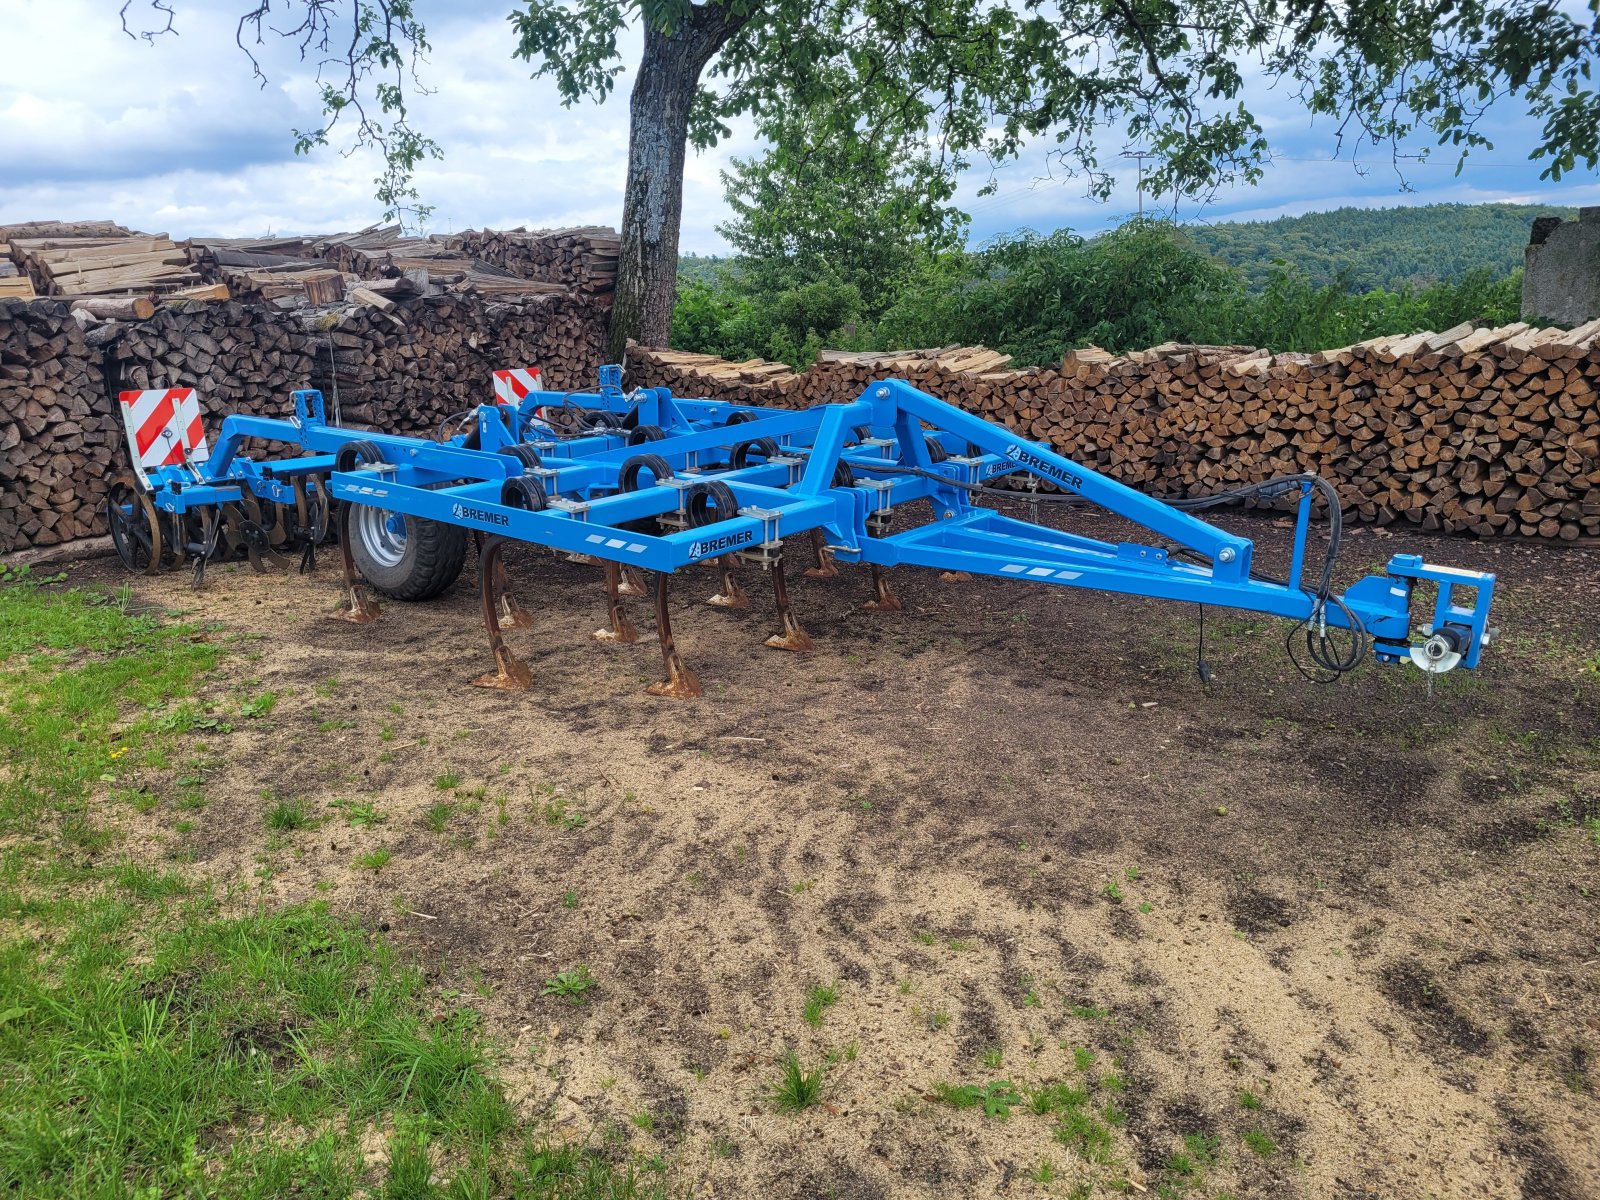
x=647 y=481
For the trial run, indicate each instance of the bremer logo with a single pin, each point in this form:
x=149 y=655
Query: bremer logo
x=1033 y=462
x=464 y=512
x=721 y=545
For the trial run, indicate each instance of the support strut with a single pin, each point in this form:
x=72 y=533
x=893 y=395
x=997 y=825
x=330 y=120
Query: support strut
x=792 y=637
x=884 y=600
x=731 y=595
x=680 y=682
x=622 y=630
x=511 y=674
x=363 y=610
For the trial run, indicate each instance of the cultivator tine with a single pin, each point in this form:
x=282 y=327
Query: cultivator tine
x=257 y=537
x=310 y=520
x=622 y=630
x=511 y=674
x=633 y=583
x=362 y=610
x=680 y=682
x=826 y=568
x=731 y=595
x=511 y=613
x=792 y=637
x=884 y=600
x=210 y=526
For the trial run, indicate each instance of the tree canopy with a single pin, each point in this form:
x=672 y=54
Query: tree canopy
x=979 y=78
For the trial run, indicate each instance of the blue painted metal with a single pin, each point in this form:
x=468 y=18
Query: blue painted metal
x=798 y=490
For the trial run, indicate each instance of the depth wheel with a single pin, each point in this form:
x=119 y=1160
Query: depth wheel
x=405 y=557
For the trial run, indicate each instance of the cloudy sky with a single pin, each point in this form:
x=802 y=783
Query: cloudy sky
x=175 y=137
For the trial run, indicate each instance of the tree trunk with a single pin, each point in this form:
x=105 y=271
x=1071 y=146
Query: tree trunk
x=652 y=206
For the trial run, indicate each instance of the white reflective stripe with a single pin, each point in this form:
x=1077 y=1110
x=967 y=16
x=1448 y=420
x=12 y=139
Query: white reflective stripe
x=635 y=547
x=1040 y=571
x=513 y=383
x=613 y=543
x=1068 y=574
x=187 y=419
x=594 y=537
x=1013 y=568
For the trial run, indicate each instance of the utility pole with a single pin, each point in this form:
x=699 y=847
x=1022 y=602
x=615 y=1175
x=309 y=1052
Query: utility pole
x=1139 y=156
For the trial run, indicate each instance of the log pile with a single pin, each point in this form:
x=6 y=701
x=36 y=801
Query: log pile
x=407 y=373
x=1483 y=431
x=58 y=437
x=393 y=362
x=102 y=266
x=584 y=259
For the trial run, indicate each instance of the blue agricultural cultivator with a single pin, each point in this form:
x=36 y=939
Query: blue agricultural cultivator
x=643 y=480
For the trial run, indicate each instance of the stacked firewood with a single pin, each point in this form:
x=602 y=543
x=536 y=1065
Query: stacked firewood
x=59 y=440
x=394 y=362
x=409 y=369
x=1487 y=431
x=584 y=259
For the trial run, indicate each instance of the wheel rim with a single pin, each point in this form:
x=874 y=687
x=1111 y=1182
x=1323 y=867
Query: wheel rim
x=382 y=534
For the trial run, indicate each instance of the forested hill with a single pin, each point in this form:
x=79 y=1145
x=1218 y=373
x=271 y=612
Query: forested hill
x=1381 y=247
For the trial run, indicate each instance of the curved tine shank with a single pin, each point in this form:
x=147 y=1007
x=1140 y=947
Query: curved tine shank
x=511 y=673
x=826 y=568
x=883 y=600
x=633 y=583
x=622 y=630
x=792 y=637
x=680 y=682
x=731 y=595
x=362 y=610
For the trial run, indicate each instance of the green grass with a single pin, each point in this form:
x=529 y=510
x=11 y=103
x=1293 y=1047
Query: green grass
x=447 y=780
x=1261 y=1143
x=288 y=815
x=157 y=1040
x=362 y=814
x=997 y=1097
x=818 y=1000
x=797 y=1089
x=437 y=818
x=375 y=860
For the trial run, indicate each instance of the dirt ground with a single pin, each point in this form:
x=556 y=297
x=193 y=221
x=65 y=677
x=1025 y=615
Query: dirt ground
x=1345 y=939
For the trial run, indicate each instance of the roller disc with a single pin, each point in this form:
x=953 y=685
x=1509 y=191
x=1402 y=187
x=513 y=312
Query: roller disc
x=135 y=529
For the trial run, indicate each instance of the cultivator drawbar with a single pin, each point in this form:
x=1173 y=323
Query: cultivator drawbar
x=645 y=481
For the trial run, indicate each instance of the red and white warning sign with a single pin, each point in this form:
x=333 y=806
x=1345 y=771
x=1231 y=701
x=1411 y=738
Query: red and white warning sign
x=163 y=427
x=513 y=386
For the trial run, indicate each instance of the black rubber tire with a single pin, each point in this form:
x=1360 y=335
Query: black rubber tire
x=432 y=560
x=525 y=492
x=645 y=433
x=359 y=451
x=598 y=421
x=843 y=476
x=740 y=457
x=628 y=477
x=740 y=418
x=936 y=450
x=523 y=453
x=709 y=502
